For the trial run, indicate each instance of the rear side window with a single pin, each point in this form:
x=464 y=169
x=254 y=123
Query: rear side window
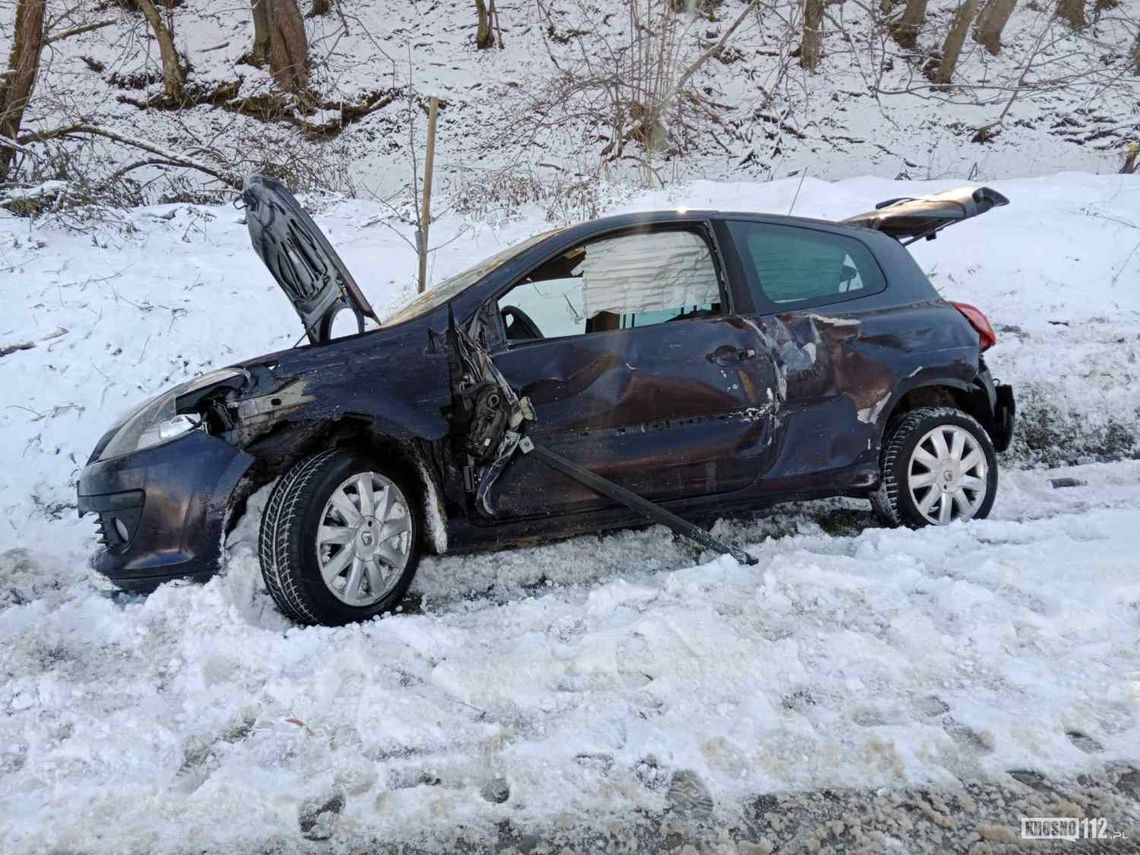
x=793 y=267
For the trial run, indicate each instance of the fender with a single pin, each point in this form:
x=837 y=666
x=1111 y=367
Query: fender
x=978 y=397
x=292 y=407
x=293 y=439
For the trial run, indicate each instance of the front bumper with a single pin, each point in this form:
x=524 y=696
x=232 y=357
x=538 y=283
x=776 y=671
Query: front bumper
x=162 y=511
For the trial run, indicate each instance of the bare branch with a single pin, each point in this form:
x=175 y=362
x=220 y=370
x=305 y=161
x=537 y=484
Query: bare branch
x=78 y=31
x=175 y=158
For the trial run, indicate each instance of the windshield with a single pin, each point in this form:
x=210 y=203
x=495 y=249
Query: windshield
x=445 y=290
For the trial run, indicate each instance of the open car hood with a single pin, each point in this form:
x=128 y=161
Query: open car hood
x=909 y=219
x=300 y=258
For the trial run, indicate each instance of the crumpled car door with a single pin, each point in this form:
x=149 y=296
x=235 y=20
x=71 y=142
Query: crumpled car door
x=667 y=411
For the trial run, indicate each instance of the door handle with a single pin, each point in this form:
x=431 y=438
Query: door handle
x=728 y=355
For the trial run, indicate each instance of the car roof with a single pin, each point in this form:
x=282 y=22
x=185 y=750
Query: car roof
x=589 y=228
x=906 y=219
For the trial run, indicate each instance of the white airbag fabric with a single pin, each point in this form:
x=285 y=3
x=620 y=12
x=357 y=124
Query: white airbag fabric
x=647 y=272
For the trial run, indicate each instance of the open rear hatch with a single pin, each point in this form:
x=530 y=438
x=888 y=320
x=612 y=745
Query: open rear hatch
x=911 y=218
x=300 y=258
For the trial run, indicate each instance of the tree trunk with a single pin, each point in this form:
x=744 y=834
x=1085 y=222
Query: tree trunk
x=1136 y=56
x=19 y=79
x=495 y=23
x=173 y=77
x=811 y=43
x=1131 y=160
x=288 y=45
x=952 y=47
x=906 y=30
x=320 y=7
x=1073 y=12
x=484 y=38
x=259 y=53
x=991 y=22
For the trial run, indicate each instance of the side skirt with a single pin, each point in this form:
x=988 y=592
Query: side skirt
x=634 y=502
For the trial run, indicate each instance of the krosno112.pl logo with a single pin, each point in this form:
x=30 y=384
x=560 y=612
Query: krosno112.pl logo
x=1067 y=828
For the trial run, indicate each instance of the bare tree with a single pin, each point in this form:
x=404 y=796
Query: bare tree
x=913 y=17
x=173 y=74
x=811 y=43
x=637 y=91
x=1136 y=56
x=19 y=79
x=991 y=22
x=259 y=53
x=952 y=47
x=320 y=7
x=279 y=39
x=288 y=46
x=1073 y=13
x=484 y=38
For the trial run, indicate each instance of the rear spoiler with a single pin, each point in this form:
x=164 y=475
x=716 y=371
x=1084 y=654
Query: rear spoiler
x=910 y=218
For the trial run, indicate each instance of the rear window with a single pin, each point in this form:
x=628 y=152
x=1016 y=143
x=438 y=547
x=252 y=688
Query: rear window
x=793 y=267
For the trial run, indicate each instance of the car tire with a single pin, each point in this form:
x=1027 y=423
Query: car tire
x=938 y=466
x=348 y=518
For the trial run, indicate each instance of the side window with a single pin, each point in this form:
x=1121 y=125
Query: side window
x=614 y=283
x=795 y=266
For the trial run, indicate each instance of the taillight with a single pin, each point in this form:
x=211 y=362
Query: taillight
x=987 y=338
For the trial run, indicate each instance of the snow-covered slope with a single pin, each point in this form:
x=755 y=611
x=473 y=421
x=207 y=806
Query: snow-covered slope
x=505 y=135
x=571 y=682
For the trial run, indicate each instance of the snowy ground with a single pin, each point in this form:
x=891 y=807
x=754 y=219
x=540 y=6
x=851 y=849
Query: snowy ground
x=621 y=677
x=580 y=683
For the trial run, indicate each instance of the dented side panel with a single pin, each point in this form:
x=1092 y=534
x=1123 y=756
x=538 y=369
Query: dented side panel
x=678 y=409
x=396 y=381
x=845 y=368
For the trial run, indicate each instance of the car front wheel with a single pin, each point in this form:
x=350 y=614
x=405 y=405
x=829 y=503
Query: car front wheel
x=938 y=466
x=339 y=538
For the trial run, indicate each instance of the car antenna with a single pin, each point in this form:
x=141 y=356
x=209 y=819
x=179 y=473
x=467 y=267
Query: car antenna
x=803 y=175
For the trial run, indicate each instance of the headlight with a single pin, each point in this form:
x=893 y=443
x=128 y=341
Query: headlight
x=153 y=423
x=158 y=421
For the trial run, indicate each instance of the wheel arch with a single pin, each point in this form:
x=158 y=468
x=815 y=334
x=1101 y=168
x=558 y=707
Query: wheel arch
x=278 y=451
x=970 y=398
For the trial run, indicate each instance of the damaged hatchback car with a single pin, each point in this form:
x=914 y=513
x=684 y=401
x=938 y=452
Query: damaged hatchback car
x=659 y=366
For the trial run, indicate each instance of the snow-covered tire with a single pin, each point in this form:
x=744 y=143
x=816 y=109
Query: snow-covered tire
x=288 y=546
x=895 y=502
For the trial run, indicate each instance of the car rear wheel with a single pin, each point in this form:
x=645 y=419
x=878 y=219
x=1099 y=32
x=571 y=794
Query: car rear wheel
x=339 y=539
x=938 y=466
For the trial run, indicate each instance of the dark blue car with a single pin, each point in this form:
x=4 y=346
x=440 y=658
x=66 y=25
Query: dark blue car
x=669 y=365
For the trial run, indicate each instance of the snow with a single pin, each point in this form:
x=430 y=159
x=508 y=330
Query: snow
x=581 y=675
x=867 y=109
x=198 y=719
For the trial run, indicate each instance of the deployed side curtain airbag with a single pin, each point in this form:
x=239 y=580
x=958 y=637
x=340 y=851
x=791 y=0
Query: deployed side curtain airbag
x=647 y=273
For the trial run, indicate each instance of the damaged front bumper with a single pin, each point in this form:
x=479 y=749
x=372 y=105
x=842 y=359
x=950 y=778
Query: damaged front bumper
x=161 y=512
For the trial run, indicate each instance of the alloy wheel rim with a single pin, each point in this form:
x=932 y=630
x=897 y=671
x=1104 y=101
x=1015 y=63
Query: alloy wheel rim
x=948 y=475
x=364 y=539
